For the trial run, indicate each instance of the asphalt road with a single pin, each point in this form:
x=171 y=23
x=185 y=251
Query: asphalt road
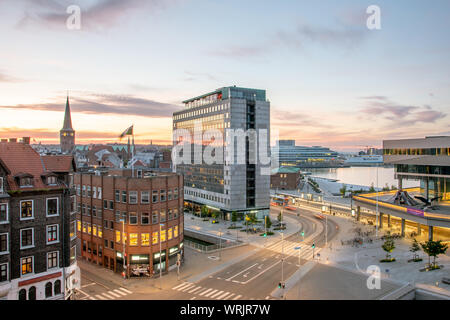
x=255 y=277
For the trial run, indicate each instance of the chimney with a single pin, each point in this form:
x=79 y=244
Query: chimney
x=12 y=139
x=26 y=140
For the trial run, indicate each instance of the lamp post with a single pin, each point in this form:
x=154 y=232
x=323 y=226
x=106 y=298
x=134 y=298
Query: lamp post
x=160 y=260
x=376 y=222
x=124 y=248
x=282 y=261
x=220 y=244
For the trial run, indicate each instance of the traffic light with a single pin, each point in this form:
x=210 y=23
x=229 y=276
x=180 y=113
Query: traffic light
x=265 y=234
x=283 y=285
x=313 y=245
x=279 y=285
x=303 y=233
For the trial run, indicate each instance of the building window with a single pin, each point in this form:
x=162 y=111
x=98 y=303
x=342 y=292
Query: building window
x=4 y=243
x=73 y=204
x=169 y=234
x=73 y=254
x=78 y=190
x=163 y=195
x=52 y=207
x=89 y=229
x=32 y=293
x=27 y=265
x=52 y=260
x=100 y=232
x=100 y=251
x=99 y=196
x=83 y=209
x=118 y=236
x=155 y=196
x=106 y=243
x=89 y=194
x=111 y=205
x=124 y=196
x=133 y=197
x=133 y=239
x=117 y=216
x=105 y=204
x=4 y=213
x=57 y=287
x=163 y=216
x=155 y=237
x=111 y=244
x=175 y=193
x=175 y=213
x=170 y=214
x=175 y=231
x=94 y=192
x=26 y=182
x=155 y=215
x=22 y=294
x=84 y=227
x=26 y=209
x=84 y=245
x=26 y=238
x=111 y=225
x=79 y=225
x=83 y=194
x=1 y=185
x=117 y=193
x=163 y=235
x=94 y=211
x=94 y=230
x=133 y=218
x=145 y=197
x=145 y=218
x=145 y=239
x=52 y=233
x=3 y=272
x=72 y=233
x=169 y=195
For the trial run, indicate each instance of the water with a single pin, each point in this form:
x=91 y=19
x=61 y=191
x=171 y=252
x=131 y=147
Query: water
x=363 y=176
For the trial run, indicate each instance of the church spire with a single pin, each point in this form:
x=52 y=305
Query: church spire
x=67 y=116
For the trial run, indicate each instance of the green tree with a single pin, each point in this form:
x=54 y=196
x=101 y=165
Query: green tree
x=414 y=248
x=234 y=218
x=204 y=211
x=372 y=188
x=433 y=249
x=280 y=217
x=385 y=188
x=252 y=219
x=388 y=246
x=268 y=222
x=343 y=190
x=393 y=187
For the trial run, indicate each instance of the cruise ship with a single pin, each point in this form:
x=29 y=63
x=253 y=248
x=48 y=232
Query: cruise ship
x=364 y=160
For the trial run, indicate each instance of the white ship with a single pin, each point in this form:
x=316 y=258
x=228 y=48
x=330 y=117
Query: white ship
x=365 y=160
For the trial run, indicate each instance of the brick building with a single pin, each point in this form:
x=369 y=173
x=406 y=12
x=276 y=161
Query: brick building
x=285 y=178
x=132 y=217
x=37 y=226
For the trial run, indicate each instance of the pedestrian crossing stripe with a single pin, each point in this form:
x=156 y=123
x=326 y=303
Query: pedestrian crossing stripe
x=119 y=292
x=215 y=290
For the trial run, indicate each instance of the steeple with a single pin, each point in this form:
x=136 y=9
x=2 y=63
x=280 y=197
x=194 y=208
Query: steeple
x=67 y=117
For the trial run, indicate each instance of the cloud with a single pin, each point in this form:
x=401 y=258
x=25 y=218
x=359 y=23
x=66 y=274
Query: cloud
x=97 y=16
x=403 y=115
x=285 y=118
x=7 y=78
x=107 y=104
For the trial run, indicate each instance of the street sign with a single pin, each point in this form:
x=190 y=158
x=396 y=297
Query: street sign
x=297 y=248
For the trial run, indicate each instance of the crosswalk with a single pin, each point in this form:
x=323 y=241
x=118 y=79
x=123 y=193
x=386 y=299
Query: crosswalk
x=210 y=293
x=109 y=295
x=287 y=248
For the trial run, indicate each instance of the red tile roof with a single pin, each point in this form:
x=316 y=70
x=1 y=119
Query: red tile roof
x=59 y=163
x=20 y=159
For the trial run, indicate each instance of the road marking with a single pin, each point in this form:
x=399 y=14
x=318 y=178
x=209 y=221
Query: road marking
x=216 y=294
x=184 y=284
x=92 y=298
x=100 y=297
x=261 y=272
x=125 y=290
x=89 y=284
x=114 y=294
x=242 y=271
x=119 y=292
x=235 y=281
x=189 y=287
x=237 y=297
x=210 y=293
x=108 y=296
x=222 y=296
x=228 y=297
x=193 y=298
x=268 y=297
x=205 y=292
x=195 y=289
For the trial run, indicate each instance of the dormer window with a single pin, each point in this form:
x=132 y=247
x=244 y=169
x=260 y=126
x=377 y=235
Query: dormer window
x=26 y=182
x=1 y=185
x=51 y=180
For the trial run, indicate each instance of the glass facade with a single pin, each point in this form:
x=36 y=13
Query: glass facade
x=417 y=152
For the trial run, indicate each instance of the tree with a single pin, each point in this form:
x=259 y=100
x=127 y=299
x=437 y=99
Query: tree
x=414 y=248
x=204 y=211
x=268 y=222
x=393 y=187
x=343 y=190
x=252 y=219
x=280 y=217
x=214 y=214
x=386 y=188
x=433 y=249
x=372 y=188
x=388 y=246
x=234 y=217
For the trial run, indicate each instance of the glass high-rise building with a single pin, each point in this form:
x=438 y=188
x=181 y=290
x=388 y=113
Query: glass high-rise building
x=234 y=182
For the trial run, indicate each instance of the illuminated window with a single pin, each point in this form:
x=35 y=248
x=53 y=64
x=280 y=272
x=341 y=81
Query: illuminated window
x=124 y=237
x=100 y=232
x=84 y=227
x=155 y=237
x=94 y=230
x=117 y=236
x=27 y=265
x=175 y=231
x=79 y=225
x=145 y=239
x=89 y=228
x=133 y=239
x=169 y=235
x=163 y=235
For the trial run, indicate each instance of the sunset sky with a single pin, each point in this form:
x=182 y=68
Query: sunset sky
x=330 y=80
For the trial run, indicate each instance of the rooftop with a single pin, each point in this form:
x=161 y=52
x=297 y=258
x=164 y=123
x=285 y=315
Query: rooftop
x=285 y=170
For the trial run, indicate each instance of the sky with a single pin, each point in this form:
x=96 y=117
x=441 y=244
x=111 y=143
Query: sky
x=331 y=80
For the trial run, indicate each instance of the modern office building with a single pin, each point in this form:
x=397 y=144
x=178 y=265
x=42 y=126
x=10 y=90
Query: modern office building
x=426 y=160
x=289 y=154
x=234 y=182
x=131 y=220
x=37 y=225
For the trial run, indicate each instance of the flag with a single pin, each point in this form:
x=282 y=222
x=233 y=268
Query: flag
x=127 y=132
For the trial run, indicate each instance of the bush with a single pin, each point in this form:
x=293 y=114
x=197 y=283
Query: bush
x=388 y=260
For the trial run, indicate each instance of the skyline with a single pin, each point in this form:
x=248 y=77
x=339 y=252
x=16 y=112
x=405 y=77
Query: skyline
x=130 y=63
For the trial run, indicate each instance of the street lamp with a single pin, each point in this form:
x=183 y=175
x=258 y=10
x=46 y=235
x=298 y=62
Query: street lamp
x=125 y=273
x=220 y=243
x=160 y=261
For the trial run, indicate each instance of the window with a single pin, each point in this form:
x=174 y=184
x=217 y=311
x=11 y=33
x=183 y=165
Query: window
x=4 y=213
x=83 y=194
x=124 y=217
x=169 y=195
x=175 y=213
x=79 y=225
x=175 y=193
x=1 y=184
x=57 y=287
x=84 y=245
x=145 y=239
x=117 y=193
x=111 y=225
x=26 y=209
x=118 y=236
x=94 y=211
x=78 y=190
x=89 y=194
x=163 y=195
x=133 y=218
x=169 y=234
x=100 y=232
x=99 y=193
x=73 y=254
x=124 y=196
x=100 y=251
x=4 y=243
x=94 y=192
x=163 y=216
x=52 y=233
x=26 y=265
x=170 y=214
x=83 y=210
x=106 y=243
x=105 y=224
x=26 y=238
x=88 y=211
x=155 y=237
x=155 y=196
x=145 y=197
x=133 y=197
x=117 y=216
x=155 y=215
x=22 y=294
x=52 y=207
x=94 y=230
x=111 y=205
x=163 y=235
x=32 y=293
x=133 y=239
x=3 y=272
x=175 y=231
x=111 y=243
x=73 y=204
x=84 y=227
x=145 y=218
x=72 y=229
x=26 y=182
x=52 y=260
x=89 y=228
x=105 y=204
